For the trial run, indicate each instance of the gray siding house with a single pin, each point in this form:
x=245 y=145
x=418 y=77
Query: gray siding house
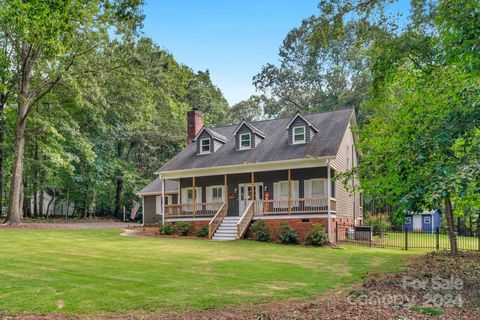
x=279 y=170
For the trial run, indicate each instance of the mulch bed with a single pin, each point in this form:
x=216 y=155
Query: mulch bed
x=438 y=275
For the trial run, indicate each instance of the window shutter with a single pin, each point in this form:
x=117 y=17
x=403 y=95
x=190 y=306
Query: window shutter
x=295 y=189
x=184 y=196
x=198 y=194
x=158 y=204
x=325 y=188
x=295 y=193
x=209 y=194
x=276 y=191
x=307 y=189
x=223 y=193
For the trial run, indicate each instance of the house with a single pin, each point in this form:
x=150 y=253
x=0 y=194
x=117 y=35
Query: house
x=427 y=221
x=152 y=200
x=279 y=170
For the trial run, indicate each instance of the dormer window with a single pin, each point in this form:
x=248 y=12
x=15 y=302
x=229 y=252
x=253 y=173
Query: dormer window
x=300 y=130
x=208 y=141
x=245 y=141
x=299 y=135
x=205 y=147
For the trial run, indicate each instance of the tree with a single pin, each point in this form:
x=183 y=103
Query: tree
x=420 y=146
x=323 y=65
x=45 y=39
x=250 y=109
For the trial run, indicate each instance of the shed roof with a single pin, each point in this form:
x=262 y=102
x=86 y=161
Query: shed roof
x=155 y=187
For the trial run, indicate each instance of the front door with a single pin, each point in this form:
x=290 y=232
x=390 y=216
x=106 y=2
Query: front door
x=245 y=195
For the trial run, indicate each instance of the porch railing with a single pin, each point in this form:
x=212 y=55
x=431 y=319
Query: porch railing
x=192 y=209
x=245 y=220
x=217 y=219
x=266 y=207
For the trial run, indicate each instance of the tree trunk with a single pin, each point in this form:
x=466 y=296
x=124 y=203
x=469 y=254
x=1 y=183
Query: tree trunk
x=450 y=227
x=35 y=180
x=68 y=201
x=47 y=214
x=478 y=224
x=119 y=186
x=15 y=213
x=2 y=125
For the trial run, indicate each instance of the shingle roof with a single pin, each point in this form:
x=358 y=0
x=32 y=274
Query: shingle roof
x=331 y=129
x=251 y=126
x=212 y=133
x=156 y=187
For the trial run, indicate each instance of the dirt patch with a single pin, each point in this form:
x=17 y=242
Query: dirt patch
x=154 y=232
x=437 y=274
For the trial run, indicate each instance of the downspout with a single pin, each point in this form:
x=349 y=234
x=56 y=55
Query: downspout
x=329 y=185
x=163 y=200
x=143 y=211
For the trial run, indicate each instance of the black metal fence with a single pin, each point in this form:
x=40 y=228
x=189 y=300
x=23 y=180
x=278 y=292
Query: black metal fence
x=404 y=239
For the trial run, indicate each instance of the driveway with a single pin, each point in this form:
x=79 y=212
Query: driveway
x=74 y=225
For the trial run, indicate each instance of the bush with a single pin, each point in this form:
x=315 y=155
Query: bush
x=317 y=236
x=260 y=232
x=379 y=222
x=203 y=231
x=184 y=228
x=287 y=235
x=167 y=229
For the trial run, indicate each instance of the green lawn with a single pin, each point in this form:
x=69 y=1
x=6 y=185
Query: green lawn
x=99 y=271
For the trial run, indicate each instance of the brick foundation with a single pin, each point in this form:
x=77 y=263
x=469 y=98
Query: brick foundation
x=303 y=226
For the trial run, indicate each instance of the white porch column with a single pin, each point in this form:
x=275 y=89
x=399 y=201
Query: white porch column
x=163 y=200
x=329 y=185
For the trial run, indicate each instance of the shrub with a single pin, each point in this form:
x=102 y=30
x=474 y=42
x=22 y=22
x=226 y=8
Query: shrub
x=167 y=229
x=184 y=228
x=287 y=235
x=202 y=231
x=317 y=236
x=259 y=231
x=379 y=223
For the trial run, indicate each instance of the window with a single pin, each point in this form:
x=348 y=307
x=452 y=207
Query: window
x=245 y=141
x=333 y=188
x=299 y=134
x=217 y=194
x=284 y=189
x=205 y=146
x=187 y=197
x=427 y=219
x=315 y=188
x=159 y=205
x=280 y=192
x=408 y=220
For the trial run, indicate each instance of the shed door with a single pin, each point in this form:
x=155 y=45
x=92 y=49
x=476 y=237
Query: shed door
x=417 y=222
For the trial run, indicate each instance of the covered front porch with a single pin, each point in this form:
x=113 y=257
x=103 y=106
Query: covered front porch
x=267 y=193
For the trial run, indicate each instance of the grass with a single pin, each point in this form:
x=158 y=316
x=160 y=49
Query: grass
x=99 y=271
x=425 y=241
x=428 y=311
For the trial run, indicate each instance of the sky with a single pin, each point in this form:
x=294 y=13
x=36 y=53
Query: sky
x=233 y=39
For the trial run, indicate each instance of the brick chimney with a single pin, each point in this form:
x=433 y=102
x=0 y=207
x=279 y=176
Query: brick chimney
x=194 y=123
